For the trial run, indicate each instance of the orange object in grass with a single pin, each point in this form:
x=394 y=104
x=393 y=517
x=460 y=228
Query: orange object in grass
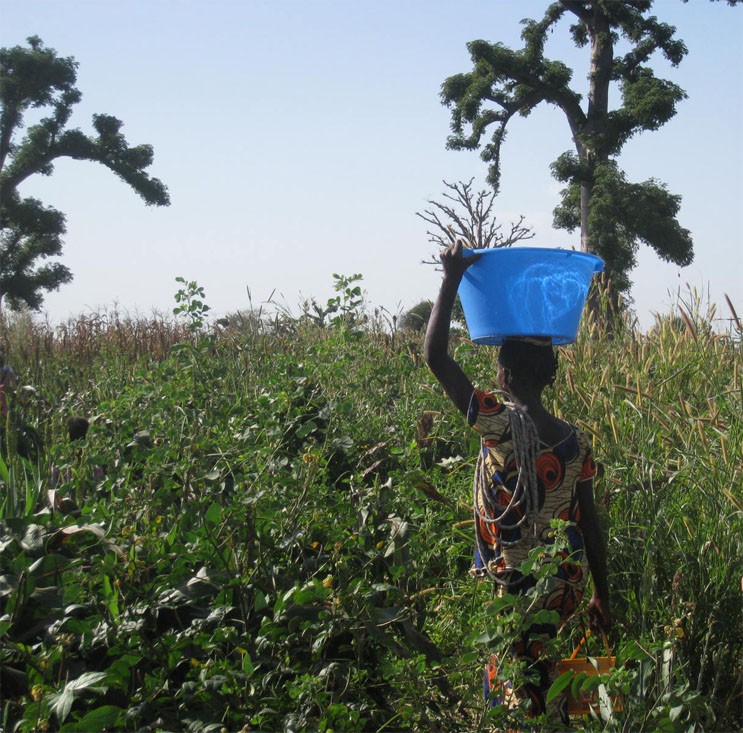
x=582 y=703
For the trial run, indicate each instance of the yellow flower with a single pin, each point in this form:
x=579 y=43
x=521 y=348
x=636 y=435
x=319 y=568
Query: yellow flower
x=37 y=692
x=328 y=582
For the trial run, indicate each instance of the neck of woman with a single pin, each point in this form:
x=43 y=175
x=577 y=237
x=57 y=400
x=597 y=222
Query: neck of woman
x=529 y=401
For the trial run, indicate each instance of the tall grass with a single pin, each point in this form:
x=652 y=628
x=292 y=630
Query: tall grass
x=271 y=524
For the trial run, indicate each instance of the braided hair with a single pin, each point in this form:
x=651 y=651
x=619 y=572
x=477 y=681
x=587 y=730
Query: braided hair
x=533 y=360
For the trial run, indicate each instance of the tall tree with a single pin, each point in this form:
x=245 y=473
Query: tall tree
x=614 y=215
x=34 y=77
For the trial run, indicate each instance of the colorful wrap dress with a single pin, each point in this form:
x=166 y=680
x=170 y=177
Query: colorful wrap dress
x=502 y=546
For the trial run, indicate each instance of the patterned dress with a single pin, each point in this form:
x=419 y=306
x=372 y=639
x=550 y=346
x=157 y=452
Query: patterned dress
x=500 y=550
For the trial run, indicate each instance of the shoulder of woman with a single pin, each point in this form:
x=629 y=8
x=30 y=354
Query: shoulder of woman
x=485 y=403
x=585 y=447
x=486 y=411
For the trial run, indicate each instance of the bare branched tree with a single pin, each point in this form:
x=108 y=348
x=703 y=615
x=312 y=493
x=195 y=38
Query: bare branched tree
x=467 y=215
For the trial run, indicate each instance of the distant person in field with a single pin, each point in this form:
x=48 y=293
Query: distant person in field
x=8 y=382
x=532 y=467
x=77 y=430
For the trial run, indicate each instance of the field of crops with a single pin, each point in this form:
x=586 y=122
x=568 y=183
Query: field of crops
x=268 y=526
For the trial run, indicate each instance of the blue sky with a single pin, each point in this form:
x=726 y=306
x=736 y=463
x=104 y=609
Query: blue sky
x=298 y=139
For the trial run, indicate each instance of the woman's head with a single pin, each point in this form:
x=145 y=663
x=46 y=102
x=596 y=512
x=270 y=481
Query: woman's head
x=530 y=363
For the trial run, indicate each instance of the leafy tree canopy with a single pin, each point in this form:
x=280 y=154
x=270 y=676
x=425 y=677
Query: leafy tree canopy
x=35 y=77
x=613 y=214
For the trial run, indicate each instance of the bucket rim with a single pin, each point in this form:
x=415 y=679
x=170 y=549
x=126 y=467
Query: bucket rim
x=497 y=339
x=598 y=262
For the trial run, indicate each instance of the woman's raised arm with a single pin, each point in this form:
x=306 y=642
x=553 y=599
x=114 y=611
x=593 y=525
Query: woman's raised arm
x=455 y=382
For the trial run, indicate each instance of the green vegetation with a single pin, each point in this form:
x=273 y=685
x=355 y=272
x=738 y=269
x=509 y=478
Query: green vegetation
x=268 y=526
x=35 y=80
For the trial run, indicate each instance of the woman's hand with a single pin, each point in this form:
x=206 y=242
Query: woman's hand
x=455 y=263
x=599 y=617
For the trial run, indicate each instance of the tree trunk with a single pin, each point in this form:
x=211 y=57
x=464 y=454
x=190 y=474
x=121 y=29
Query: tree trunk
x=602 y=61
x=585 y=197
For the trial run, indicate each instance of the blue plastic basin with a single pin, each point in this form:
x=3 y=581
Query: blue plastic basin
x=526 y=291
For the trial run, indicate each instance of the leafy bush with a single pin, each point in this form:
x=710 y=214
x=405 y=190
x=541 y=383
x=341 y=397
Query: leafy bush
x=269 y=528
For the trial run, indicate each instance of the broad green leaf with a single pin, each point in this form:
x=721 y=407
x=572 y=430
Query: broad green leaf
x=486 y=637
x=213 y=514
x=49 y=564
x=103 y=718
x=304 y=430
x=112 y=597
x=557 y=687
x=33 y=539
x=85 y=681
x=590 y=684
x=543 y=616
x=260 y=602
x=60 y=703
x=247 y=665
x=577 y=683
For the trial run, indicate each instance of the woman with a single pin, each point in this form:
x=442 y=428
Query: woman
x=533 y=467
